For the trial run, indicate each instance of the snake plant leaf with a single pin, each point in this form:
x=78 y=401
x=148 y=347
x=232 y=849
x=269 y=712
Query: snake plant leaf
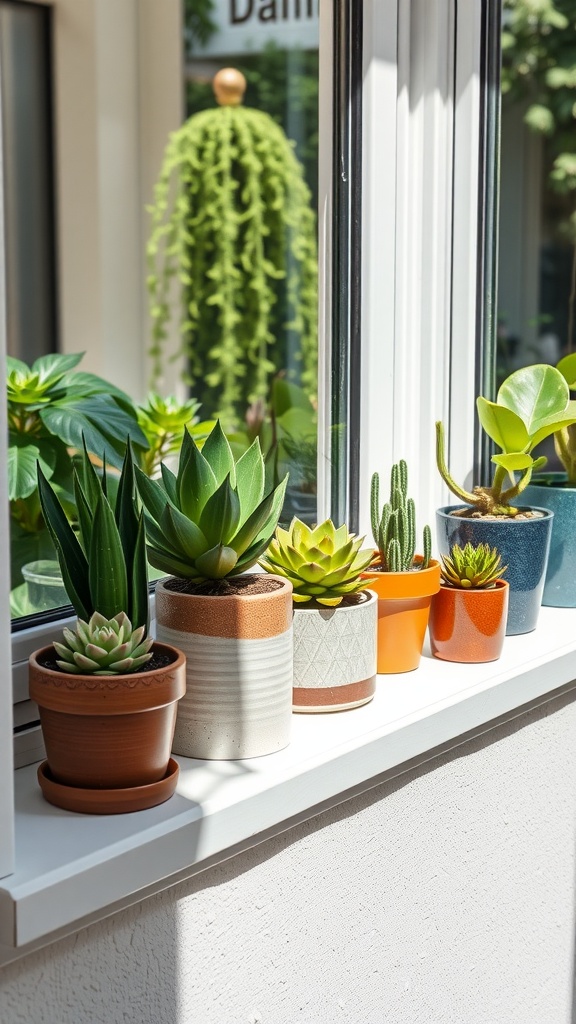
x=140 y=604
x=106 y=565
x=182 y=534
x=125 y=514
x=73 y=562
x=535 y=393
x=567 y=367
x=218 y=455
x=250 y=479
x=83 y=510
x=218 y=562
x=503 y=425
x=221 y=514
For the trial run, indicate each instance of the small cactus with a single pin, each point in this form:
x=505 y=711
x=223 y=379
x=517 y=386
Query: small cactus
x=472 y=568
x=394 y=528
x=103 y=647
x=322 y=564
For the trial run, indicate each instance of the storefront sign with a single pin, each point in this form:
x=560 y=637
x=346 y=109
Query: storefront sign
x=247 y=26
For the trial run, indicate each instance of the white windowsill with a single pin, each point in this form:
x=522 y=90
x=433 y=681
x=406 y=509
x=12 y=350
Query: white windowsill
x=73 y=868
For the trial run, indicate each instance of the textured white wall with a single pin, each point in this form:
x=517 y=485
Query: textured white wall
x=443 y=897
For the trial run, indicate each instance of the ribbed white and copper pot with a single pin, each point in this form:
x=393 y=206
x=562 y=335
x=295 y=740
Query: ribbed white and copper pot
x=335 y=655
x=239 y=670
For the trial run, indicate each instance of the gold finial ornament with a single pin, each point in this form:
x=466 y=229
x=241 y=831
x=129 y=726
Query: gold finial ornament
x=229 y=86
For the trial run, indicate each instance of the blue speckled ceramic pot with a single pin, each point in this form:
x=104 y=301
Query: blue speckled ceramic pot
x=524 y=547
x=560 y=585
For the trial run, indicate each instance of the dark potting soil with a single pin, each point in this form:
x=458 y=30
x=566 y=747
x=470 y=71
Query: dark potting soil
x=523 y=514
x=257 y=583
x=158 y=660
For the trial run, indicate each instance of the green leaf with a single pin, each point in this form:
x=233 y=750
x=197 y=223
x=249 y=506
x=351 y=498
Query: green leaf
x=153 y=495
x=171 y=565
x=260 y=526
x=196 y=481
x=514 y=462
x=250 y=479
x=23 y=458
x=217 y=563
x=567 y=367
x=139 y=614
x=221 y=514
x=104 y=425
x=502 y=425
x=183 y=536
x=534 y=393
x=84 y=513
x=170 y=485
x=555 y=423
x=218 y=455
x=73 y=562
x=106 y=565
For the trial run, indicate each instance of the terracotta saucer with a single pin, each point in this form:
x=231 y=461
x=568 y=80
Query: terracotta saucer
x=107 y=801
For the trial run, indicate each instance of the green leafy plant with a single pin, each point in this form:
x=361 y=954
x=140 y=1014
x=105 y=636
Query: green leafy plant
x=323 y=564
x=103 y=647
x=215 y=517
x=565 y=437
x=103 y=568
x=163 y=422
x=472 y=568
x=394 y=527
x=232 y=220
x=52 y=407
x=532 y=403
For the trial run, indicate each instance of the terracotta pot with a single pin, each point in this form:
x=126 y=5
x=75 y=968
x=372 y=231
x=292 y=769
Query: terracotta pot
x=239 y=670
x=469 y=625
x=107 y=732
x=403 y=609
x=335 y=655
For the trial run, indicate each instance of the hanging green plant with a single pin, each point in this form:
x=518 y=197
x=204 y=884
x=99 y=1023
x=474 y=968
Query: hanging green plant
x=232 y=221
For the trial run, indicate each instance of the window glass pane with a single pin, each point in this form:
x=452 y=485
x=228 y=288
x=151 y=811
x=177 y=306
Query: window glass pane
x=236 y=307
x=537 y=267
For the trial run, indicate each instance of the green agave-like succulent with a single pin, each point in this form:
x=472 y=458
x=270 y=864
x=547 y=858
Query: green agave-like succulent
x=103 y=647
x=323 y=564
x=216 y=516
x=472 y=568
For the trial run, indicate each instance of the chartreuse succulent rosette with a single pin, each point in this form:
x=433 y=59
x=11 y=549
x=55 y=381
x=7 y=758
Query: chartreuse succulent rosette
x=104 y=570
x=323 y=564
x=103 y=647
x=472 y=568
x=215 y=516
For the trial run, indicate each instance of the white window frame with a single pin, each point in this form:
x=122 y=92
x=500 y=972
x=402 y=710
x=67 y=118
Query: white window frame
x=420 y=177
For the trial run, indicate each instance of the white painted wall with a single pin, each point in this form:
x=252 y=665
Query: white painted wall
x=443 y=897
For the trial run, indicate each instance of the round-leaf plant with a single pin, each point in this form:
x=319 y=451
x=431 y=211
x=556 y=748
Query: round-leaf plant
x=215 y=516
x=322 y=564
x=532 y=403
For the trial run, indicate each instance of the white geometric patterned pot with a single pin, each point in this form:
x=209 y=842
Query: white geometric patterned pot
x=335 y=655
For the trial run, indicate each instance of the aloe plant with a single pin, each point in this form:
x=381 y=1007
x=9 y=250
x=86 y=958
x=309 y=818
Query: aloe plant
x=532 y=403
x=472 y=568
x=103 y=647
x=394 y=526
x=103 y=568
x=215 y=516
x=323 y=564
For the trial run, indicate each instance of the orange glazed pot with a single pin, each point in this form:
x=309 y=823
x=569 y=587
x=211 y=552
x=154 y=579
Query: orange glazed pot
x=403 y=609
x=108 y=732
x=469 y=625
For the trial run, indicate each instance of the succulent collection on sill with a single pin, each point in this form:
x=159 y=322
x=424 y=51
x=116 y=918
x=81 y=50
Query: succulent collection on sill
x=335 y=616
x=207 y=525
x=403 y=581
x=468 y=614
x=107 y=694
x=532 y=404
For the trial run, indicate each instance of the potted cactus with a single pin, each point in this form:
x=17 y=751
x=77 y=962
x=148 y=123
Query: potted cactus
x=468 y=614
x=404 y=581
x=335 y=616
x=206 y=526
x=108 y=693
x=532 y=404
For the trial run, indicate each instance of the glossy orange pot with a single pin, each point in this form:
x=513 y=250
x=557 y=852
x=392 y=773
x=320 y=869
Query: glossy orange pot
x=469 y=625
x=403 y=609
